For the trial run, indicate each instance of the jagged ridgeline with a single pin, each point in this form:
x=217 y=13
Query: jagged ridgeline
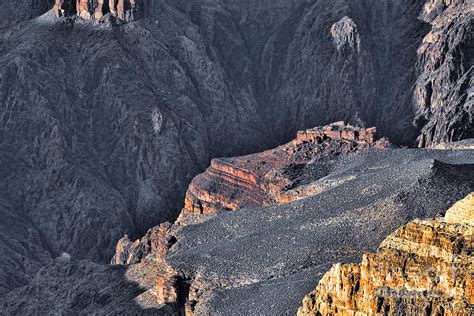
x=125 y=10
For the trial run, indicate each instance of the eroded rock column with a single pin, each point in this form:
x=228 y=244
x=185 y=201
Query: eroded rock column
x=90 y=9
x=125 y=10
x=64 y=8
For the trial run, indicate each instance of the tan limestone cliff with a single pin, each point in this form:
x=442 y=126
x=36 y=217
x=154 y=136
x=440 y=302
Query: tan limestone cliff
x=423 y=268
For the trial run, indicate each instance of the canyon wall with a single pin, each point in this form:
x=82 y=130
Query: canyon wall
x=444 y=97
x=423 y=268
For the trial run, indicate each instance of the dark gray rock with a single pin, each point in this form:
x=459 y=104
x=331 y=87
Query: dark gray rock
x=102 y=125
x=263 y=261
x=69 y=287
x=444 y=93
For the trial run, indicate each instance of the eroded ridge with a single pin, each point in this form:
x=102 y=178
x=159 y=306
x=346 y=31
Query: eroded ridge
x=423 y=268
x=272 y=176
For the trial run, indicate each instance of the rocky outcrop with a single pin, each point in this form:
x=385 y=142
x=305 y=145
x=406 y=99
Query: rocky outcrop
x=344 y=33
x=157 y=240
x=275 y=175
x=443 y=92
x=124 y=10
x=423 y=268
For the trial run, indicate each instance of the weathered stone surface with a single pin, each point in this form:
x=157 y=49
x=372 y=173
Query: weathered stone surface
x=101 y=131
x=462 y=212
x=344 y=33
x=65 y=8
x=444 y=95
x=423 y=268
x=126 y=10
x=157 y=240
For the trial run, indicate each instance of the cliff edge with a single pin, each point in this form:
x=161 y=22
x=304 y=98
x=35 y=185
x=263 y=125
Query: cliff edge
x=423 y=268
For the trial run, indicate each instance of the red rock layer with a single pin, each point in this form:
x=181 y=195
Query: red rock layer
x=424 y=268
x=124 y=10
x=258 y=179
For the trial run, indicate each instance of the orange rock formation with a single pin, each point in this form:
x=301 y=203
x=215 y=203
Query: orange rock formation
x=424 y=268
x=263 y=178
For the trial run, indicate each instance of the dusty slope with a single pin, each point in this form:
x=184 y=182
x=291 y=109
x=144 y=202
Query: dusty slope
x=256 y=260
x=423 y=268
x=265 y=260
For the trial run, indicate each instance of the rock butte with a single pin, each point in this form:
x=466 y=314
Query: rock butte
x=272 y=176
x=423 y=268
x=233 y=183
x=125 y=10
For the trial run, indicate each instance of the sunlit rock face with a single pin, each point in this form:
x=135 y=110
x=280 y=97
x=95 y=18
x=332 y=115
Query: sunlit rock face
x=275 y=175
x=423 y=268
x=124 y=10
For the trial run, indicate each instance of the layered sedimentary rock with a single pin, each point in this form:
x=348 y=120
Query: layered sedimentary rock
x=423 y=268
x=444 y=95
x=275 y=175
x=101 y=132
x=195 y=269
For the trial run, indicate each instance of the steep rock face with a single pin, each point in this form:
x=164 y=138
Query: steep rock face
x=101 y=129
x=77 y=287
x=275 y=175
x=351 y=60
x=136 y=111
x=156 y=241
x=344 y=33
x=423 y=268
x=444 y=95
x=261 y=260
x=125 y=10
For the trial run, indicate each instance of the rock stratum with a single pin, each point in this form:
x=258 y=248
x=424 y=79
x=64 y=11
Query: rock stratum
x=277 y=175
x=125 y=10
x=104 y=123
x=262 y=259
x=423 y=268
